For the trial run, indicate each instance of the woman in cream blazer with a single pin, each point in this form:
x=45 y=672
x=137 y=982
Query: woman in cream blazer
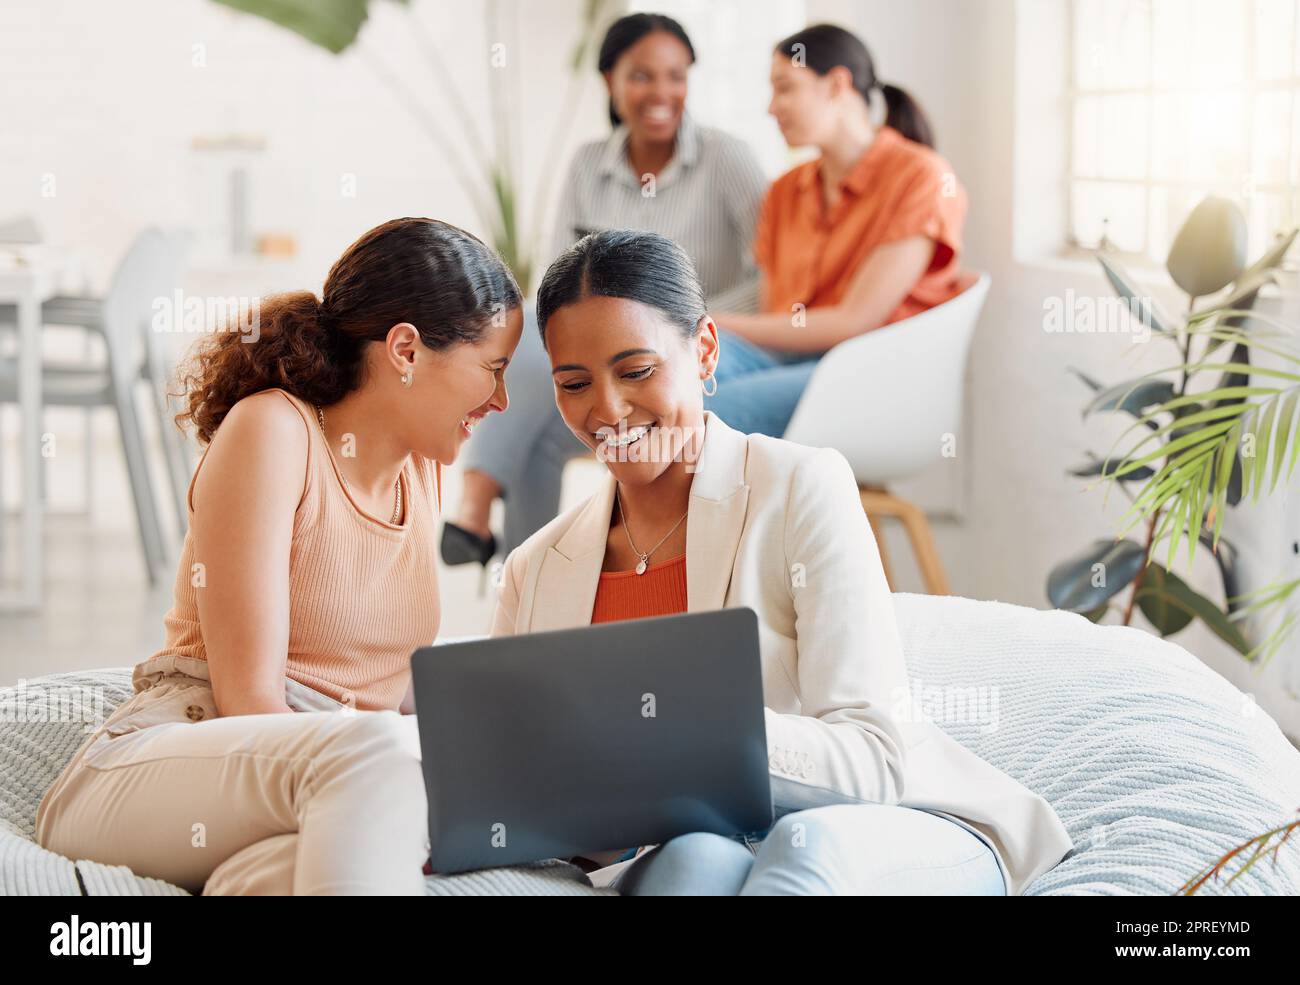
x=858 y=781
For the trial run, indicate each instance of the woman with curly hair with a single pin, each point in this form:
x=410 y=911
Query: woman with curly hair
x=306 y=580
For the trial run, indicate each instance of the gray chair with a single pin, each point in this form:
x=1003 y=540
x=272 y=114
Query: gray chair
x=151 y=269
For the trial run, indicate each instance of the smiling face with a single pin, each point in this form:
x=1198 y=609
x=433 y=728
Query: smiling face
x=648 y=86
x=805 y=104
x=627 y=382
x=453 y=389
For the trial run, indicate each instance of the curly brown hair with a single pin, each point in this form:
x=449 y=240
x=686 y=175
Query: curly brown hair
x=443 y=280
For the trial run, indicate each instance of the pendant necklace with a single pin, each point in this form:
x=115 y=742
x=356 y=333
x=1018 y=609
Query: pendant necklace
x=643 y=559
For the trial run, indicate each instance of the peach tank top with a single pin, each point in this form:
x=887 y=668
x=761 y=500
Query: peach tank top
x=363 y=592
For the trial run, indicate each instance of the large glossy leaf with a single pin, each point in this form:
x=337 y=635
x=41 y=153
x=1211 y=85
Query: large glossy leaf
x=1225 y=555
x=1209 y=250
x=1071 y=585
x=1096 y=614
x=1142 y=305
x=331 y=24
x=1133 y=397
x=1097 y=466
x=1283 y=435
x=1176 y=593
x=1153 y=598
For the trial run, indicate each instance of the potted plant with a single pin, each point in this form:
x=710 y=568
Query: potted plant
x=1193 y=452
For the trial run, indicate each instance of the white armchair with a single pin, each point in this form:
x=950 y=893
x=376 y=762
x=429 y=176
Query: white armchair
x=905 y=383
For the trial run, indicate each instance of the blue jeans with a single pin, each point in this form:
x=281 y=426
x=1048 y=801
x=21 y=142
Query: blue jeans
x=525 y=449
x=758 y=388
x=837 y=850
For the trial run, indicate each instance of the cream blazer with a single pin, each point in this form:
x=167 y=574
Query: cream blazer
x=779 y=528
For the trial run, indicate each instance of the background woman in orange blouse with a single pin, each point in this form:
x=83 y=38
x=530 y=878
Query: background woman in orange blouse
x=864 y=235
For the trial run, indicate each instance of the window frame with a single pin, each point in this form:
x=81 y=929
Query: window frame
x=1250 y=91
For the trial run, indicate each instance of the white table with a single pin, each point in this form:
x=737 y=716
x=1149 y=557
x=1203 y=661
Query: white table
x=27 y=285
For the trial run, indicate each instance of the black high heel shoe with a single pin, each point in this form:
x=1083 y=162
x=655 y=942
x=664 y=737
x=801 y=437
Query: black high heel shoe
x=461 y=546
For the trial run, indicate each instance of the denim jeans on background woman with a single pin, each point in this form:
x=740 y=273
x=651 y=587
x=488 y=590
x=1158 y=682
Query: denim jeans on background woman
x=525 y=449
x=836 y=850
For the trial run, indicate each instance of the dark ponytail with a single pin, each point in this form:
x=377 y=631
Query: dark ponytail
x=627 y=31
x=823 y=47
x=444 y=281
x=625 y=263
x=906 y=116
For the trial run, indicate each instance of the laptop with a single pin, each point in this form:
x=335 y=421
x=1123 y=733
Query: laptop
x=621 y=734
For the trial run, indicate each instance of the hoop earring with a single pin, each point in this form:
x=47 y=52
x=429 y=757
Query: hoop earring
x=704 y=385
x=407 y=377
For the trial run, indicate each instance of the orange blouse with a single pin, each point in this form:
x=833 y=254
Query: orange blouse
x=661 y=591
x=898 y=188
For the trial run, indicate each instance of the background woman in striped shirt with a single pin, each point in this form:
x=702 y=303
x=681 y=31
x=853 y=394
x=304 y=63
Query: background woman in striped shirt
x=658 y=171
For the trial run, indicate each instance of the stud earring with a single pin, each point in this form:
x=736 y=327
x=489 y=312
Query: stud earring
x=407 y=377
x=704 y=385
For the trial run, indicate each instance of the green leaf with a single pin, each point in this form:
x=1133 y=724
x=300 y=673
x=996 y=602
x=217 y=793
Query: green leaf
x=331 y=24
x=1154 y=601
x=1095 y=615
x=1227 y=458
x=1186 y=419
x=1142 y=306
x=1282 y=439
x=1248 y=369
x=1218 y=396
x=1178 y=594
x=1234 y=310
x=1257 y=432
x=1071 y=584
x=1225 y=556
x=1271 y=258
x=1200 y=436
x=1198 y=509
x=1177 y=518
x=1099 y=467
x=1132 y=397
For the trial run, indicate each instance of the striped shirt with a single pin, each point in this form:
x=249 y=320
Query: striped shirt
x=707 y=199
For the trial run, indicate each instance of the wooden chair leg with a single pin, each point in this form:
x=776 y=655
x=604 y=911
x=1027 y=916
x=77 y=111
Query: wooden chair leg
x=884 y=503
x=873 y=517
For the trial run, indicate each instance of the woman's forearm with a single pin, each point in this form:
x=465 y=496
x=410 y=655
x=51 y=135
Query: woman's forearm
x=880 y=285
x=251 y=703
x=813 y=330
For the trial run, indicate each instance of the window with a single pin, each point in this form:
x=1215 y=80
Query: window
x=1172 y=100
